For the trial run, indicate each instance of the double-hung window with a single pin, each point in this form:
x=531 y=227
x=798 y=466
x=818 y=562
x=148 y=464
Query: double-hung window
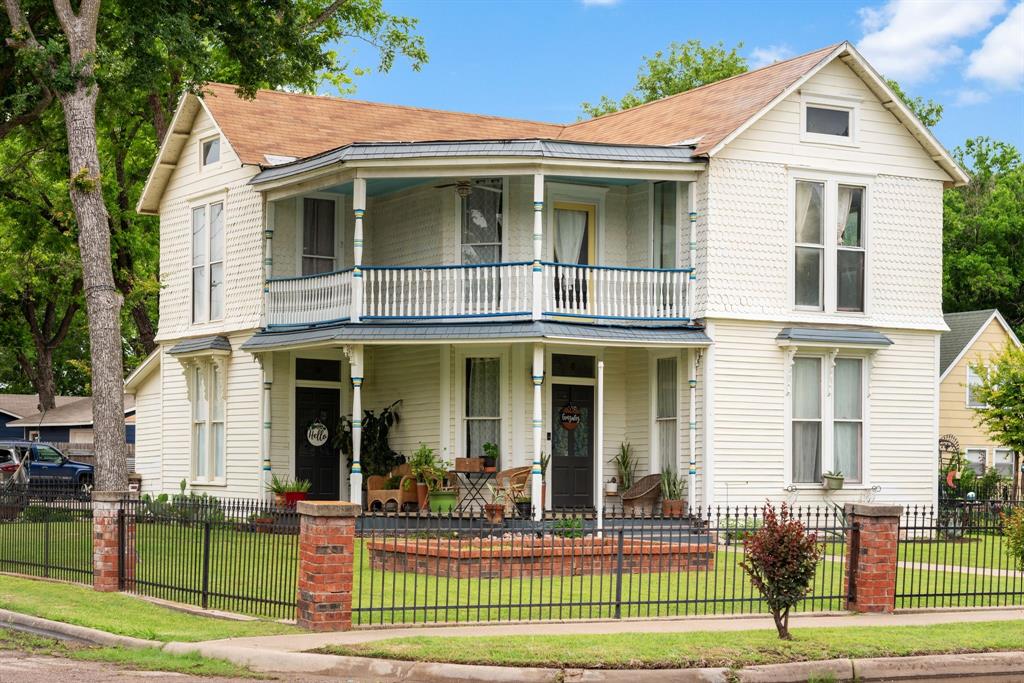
x=482 y=416
x=317 y=236
x=977 y=459
x=208 y=262
x=666 y=412
x=829 y=263
x=973 y=383
x=827 y=418
x=1002 y=461
x=482 y=222
x=207 y=423
x=666 y=229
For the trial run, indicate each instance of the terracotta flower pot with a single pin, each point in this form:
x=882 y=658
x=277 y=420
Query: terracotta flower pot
x=421 y=495
x=673 y=508
x=495 y=513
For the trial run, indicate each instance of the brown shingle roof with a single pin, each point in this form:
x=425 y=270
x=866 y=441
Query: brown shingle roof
x=77 y=412
x=296 y=125
x=710 y=112
x=28 y=404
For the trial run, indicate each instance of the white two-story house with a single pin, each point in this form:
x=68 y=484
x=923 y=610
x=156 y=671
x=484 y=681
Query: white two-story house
x=743 y=282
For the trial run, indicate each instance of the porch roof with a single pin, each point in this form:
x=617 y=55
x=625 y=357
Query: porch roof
x=795 y=336
x=535 y=148
x=201 y=344
x=543 y=330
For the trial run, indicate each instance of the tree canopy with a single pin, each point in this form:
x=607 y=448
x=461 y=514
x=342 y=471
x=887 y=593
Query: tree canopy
x=1002 y=393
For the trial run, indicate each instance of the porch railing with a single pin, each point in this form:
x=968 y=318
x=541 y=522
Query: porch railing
x=607 y=293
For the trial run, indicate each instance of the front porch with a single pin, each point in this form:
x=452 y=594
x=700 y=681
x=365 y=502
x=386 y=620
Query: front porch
x=510 y=384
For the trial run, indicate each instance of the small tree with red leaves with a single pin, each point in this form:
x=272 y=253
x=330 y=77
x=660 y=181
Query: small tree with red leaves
x=780 y=560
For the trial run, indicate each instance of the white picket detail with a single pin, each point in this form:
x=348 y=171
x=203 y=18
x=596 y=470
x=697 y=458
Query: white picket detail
x=310 y=300
x=614 y=293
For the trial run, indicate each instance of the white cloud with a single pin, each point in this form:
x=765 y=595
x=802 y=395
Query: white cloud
x=909 y=39
x=599 y=3
x=763 y=56
x=967 y=97
x=1000 y=59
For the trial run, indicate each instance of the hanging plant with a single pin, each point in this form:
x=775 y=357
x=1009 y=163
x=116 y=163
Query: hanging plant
x=376 y=455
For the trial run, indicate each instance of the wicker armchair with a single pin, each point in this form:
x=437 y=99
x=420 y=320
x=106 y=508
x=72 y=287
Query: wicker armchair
x=512 y=483
x=641 y=497
x=379 y=498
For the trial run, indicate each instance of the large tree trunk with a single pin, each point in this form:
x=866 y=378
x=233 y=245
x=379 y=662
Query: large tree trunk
x=102 y=300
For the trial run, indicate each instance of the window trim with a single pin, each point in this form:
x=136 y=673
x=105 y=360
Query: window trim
x=205 y=202
x=207 y=365
x=505 y=447
x=850 y=104
x=213 y=165
x=985 y=463
x=339 y=228
x=830 y=286
x=967 y=390
x=828 y=358
x=1004 y=449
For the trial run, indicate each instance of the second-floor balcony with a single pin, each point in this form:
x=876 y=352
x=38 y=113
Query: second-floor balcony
x=493 y=290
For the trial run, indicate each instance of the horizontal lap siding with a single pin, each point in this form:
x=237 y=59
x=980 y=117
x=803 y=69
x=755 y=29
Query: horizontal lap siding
x=177 y=424
x=409 y=373
x=243 y=424
x=282 y=396
x=750 y=415
x=148 y=436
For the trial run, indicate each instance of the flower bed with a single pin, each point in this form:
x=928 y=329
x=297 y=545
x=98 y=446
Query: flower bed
x=524 y=556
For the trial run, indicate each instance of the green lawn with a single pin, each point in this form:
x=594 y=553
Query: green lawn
x=122 y=614
x=146 y=659
x=701 y=649
x=980 y=550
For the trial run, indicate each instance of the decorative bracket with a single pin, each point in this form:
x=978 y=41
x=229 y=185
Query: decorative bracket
x=789 y=353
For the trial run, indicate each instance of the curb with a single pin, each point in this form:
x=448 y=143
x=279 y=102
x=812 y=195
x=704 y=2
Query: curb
x=61 y=630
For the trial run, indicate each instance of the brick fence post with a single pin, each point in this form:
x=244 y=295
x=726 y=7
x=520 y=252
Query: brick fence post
x=327 y=532
x=106 y=541
x=871 y=552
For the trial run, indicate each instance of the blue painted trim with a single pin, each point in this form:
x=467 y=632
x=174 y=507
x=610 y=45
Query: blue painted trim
x=645 y=270
x=452 y=267
x=306 y=277
x=612 y=317
x=443 y=317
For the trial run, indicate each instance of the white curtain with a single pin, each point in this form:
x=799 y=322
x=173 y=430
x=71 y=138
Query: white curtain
x=667 y=416
x=848 y=412
x=845 y=200
x=570 y=228
x=807 y=420
x=483 y=410
x=806 y=193
x=807 y=452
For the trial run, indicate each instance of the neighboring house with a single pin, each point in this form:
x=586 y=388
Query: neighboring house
x=70 y=422
x=757 y=264
x=974 y=337
x=17 y=406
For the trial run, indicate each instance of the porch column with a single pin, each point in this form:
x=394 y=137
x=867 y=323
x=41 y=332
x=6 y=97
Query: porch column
x=268 y=260
x=599 y=445
x=267 y=363
x=538 y=246
x=538 y=432
x=691 y=281
x=691 y=370
x=358 y=211
x=355 y=360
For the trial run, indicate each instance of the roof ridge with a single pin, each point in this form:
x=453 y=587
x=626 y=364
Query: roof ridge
x=407 y=107
x=829 y=48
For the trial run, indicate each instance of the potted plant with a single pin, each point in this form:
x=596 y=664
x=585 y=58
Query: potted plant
x=524 y=506
x=421 y=465
x=832 y=481
x=491 y=455
x=263 y=522
x=495 y=510
x=277 y=488
x=295 y=491
x=672 y=502
x=625 y=465
x=611 y=487
x=545 y=460
x=443 y=498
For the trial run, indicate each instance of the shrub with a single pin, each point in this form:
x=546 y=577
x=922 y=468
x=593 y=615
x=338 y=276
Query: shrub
x=1013 y=527
x=780 y=560
x=569 y=527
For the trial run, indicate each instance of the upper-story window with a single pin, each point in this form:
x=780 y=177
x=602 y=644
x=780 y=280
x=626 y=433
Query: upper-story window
x=829 y=265
x=829 y=119
x=973 y=383
x=666 y=228
x=210 y=153
x=208 y=262
x=318 y=236
x=482 y=221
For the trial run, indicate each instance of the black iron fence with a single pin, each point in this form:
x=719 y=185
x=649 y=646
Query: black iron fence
x=224 y=554
x=460 y=568
x=956 y=555
x=46 y=530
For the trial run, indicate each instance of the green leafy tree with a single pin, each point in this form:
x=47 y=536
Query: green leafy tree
x=983 y=232
x=105 y=65
x=1002 y=392
x=928 y=111
x=686 y=66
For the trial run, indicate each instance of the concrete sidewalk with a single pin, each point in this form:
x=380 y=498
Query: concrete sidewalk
x=311 y=641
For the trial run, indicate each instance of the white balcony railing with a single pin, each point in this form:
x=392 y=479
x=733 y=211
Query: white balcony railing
x=505 y=290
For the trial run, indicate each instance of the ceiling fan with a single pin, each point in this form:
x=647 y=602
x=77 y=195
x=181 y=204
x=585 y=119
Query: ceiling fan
x=464 y=187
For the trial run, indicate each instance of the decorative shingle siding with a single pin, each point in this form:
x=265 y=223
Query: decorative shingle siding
x=406 y=228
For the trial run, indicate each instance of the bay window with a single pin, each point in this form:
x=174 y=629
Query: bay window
x=482 y=415
x=827 y=417
x=829 y=264
x=208 y=262
x=207 y=393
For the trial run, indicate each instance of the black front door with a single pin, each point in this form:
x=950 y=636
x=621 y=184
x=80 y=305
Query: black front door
x=572 y=446
x=316 y=458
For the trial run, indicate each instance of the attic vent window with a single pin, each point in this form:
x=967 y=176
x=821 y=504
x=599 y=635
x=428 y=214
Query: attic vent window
x=828 y=121
x=211 y=151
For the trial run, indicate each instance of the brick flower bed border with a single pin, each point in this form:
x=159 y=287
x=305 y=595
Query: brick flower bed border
x=522 y=556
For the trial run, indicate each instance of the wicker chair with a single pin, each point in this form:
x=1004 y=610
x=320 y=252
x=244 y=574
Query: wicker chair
x=379 y=498
x=641 y=497
x=512 y=483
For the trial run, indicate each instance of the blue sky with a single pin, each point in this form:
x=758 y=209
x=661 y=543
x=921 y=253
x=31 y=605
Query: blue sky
x=541 y=59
